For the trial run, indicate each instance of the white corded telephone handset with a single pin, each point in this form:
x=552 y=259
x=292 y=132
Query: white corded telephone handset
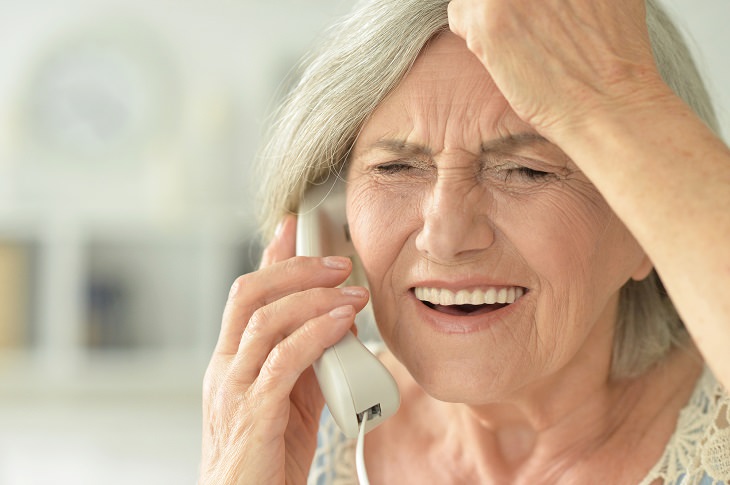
x=355 y=384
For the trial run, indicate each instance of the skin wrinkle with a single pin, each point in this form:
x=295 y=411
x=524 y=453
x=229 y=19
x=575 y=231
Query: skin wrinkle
x=549 y=408
x=574 y=223
x=574 y=220
x=418 y=193
x=440 y=216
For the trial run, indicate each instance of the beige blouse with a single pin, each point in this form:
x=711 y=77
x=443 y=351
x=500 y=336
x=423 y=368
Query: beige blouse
x=698 y=453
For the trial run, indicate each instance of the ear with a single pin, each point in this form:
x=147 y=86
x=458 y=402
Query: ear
x=643 y=269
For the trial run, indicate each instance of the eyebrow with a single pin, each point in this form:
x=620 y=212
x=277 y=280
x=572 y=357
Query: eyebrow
x=401 y=147
x=506 y=143
x=512 y=142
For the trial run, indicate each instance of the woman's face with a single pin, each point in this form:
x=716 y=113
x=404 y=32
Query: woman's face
x=454 y=203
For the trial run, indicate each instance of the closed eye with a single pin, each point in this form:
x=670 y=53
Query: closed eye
x=529 y=173
x=392 y=168
x=398 y=167
x=514 y=172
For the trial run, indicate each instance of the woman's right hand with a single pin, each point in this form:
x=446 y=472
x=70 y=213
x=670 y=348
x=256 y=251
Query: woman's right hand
x=261 y=401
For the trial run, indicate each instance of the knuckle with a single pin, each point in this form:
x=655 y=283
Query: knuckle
x=238 y=291
x=210 y=383
x=222 y=398
x=259 y=321
x=278 y=359
x=280 y=366
x=282 y=355
x=220 y=402
x=309 y=335
x=214 y=377
x=242 y=295
x=312 y=298
x=295 y=263
x=239 y=285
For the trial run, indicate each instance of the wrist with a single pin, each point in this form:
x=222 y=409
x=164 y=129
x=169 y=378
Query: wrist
x=634 y=122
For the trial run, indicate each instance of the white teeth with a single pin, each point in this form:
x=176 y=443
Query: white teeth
x=441 y=296
x=447 y=298
x=463 y=297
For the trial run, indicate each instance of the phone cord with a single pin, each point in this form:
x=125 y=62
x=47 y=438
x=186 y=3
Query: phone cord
x=362 y=474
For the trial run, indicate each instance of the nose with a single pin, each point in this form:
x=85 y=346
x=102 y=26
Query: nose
x=456 y=223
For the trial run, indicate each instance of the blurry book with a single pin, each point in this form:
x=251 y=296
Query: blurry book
x=14 y=294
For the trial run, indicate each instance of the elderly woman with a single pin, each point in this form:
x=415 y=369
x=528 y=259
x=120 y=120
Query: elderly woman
x=560 y=151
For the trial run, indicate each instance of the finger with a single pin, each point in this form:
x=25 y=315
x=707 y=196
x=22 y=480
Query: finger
x=455 y=15
x=255 y=290
x=283 y=245
x=275 y=322
x=452 y=13
x=295 y=354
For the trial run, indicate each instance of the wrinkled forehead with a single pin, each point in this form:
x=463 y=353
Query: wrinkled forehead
x=447 y=100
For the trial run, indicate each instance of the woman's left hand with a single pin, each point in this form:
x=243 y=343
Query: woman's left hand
x=582 y=73
x=558 y=61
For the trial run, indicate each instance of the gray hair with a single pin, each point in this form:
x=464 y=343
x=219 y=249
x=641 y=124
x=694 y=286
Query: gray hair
x=363 y=58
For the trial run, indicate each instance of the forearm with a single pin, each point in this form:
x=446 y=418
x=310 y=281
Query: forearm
x=667 y=176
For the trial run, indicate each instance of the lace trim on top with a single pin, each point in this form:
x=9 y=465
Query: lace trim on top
x=334 y=461
x=698 y=453
x=699 y=450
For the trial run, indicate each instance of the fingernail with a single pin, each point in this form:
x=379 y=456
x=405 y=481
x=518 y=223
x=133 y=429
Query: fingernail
x=355 y=291
x=339 y=313
x=336 y=262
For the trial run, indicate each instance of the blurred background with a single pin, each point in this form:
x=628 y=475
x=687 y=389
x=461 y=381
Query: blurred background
x=127 y=133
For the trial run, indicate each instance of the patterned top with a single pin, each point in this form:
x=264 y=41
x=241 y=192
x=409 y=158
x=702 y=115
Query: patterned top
x=698 y=453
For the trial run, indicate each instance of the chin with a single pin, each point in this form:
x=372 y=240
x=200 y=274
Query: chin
x=463 y=380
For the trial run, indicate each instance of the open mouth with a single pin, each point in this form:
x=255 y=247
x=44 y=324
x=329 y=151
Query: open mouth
x=468 y=302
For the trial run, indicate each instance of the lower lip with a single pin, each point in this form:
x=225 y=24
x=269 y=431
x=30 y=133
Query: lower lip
x=462 y=324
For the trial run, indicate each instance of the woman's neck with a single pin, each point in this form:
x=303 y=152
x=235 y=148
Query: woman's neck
x=548 y=433
x=615 y=429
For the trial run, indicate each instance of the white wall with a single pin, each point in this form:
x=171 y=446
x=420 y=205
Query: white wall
x=127 y=129
x=706 y=24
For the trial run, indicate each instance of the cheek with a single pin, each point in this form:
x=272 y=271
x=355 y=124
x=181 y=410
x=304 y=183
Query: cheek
x=556 y=236
x=380 y=224
x=580 y=256
x=580 y=252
